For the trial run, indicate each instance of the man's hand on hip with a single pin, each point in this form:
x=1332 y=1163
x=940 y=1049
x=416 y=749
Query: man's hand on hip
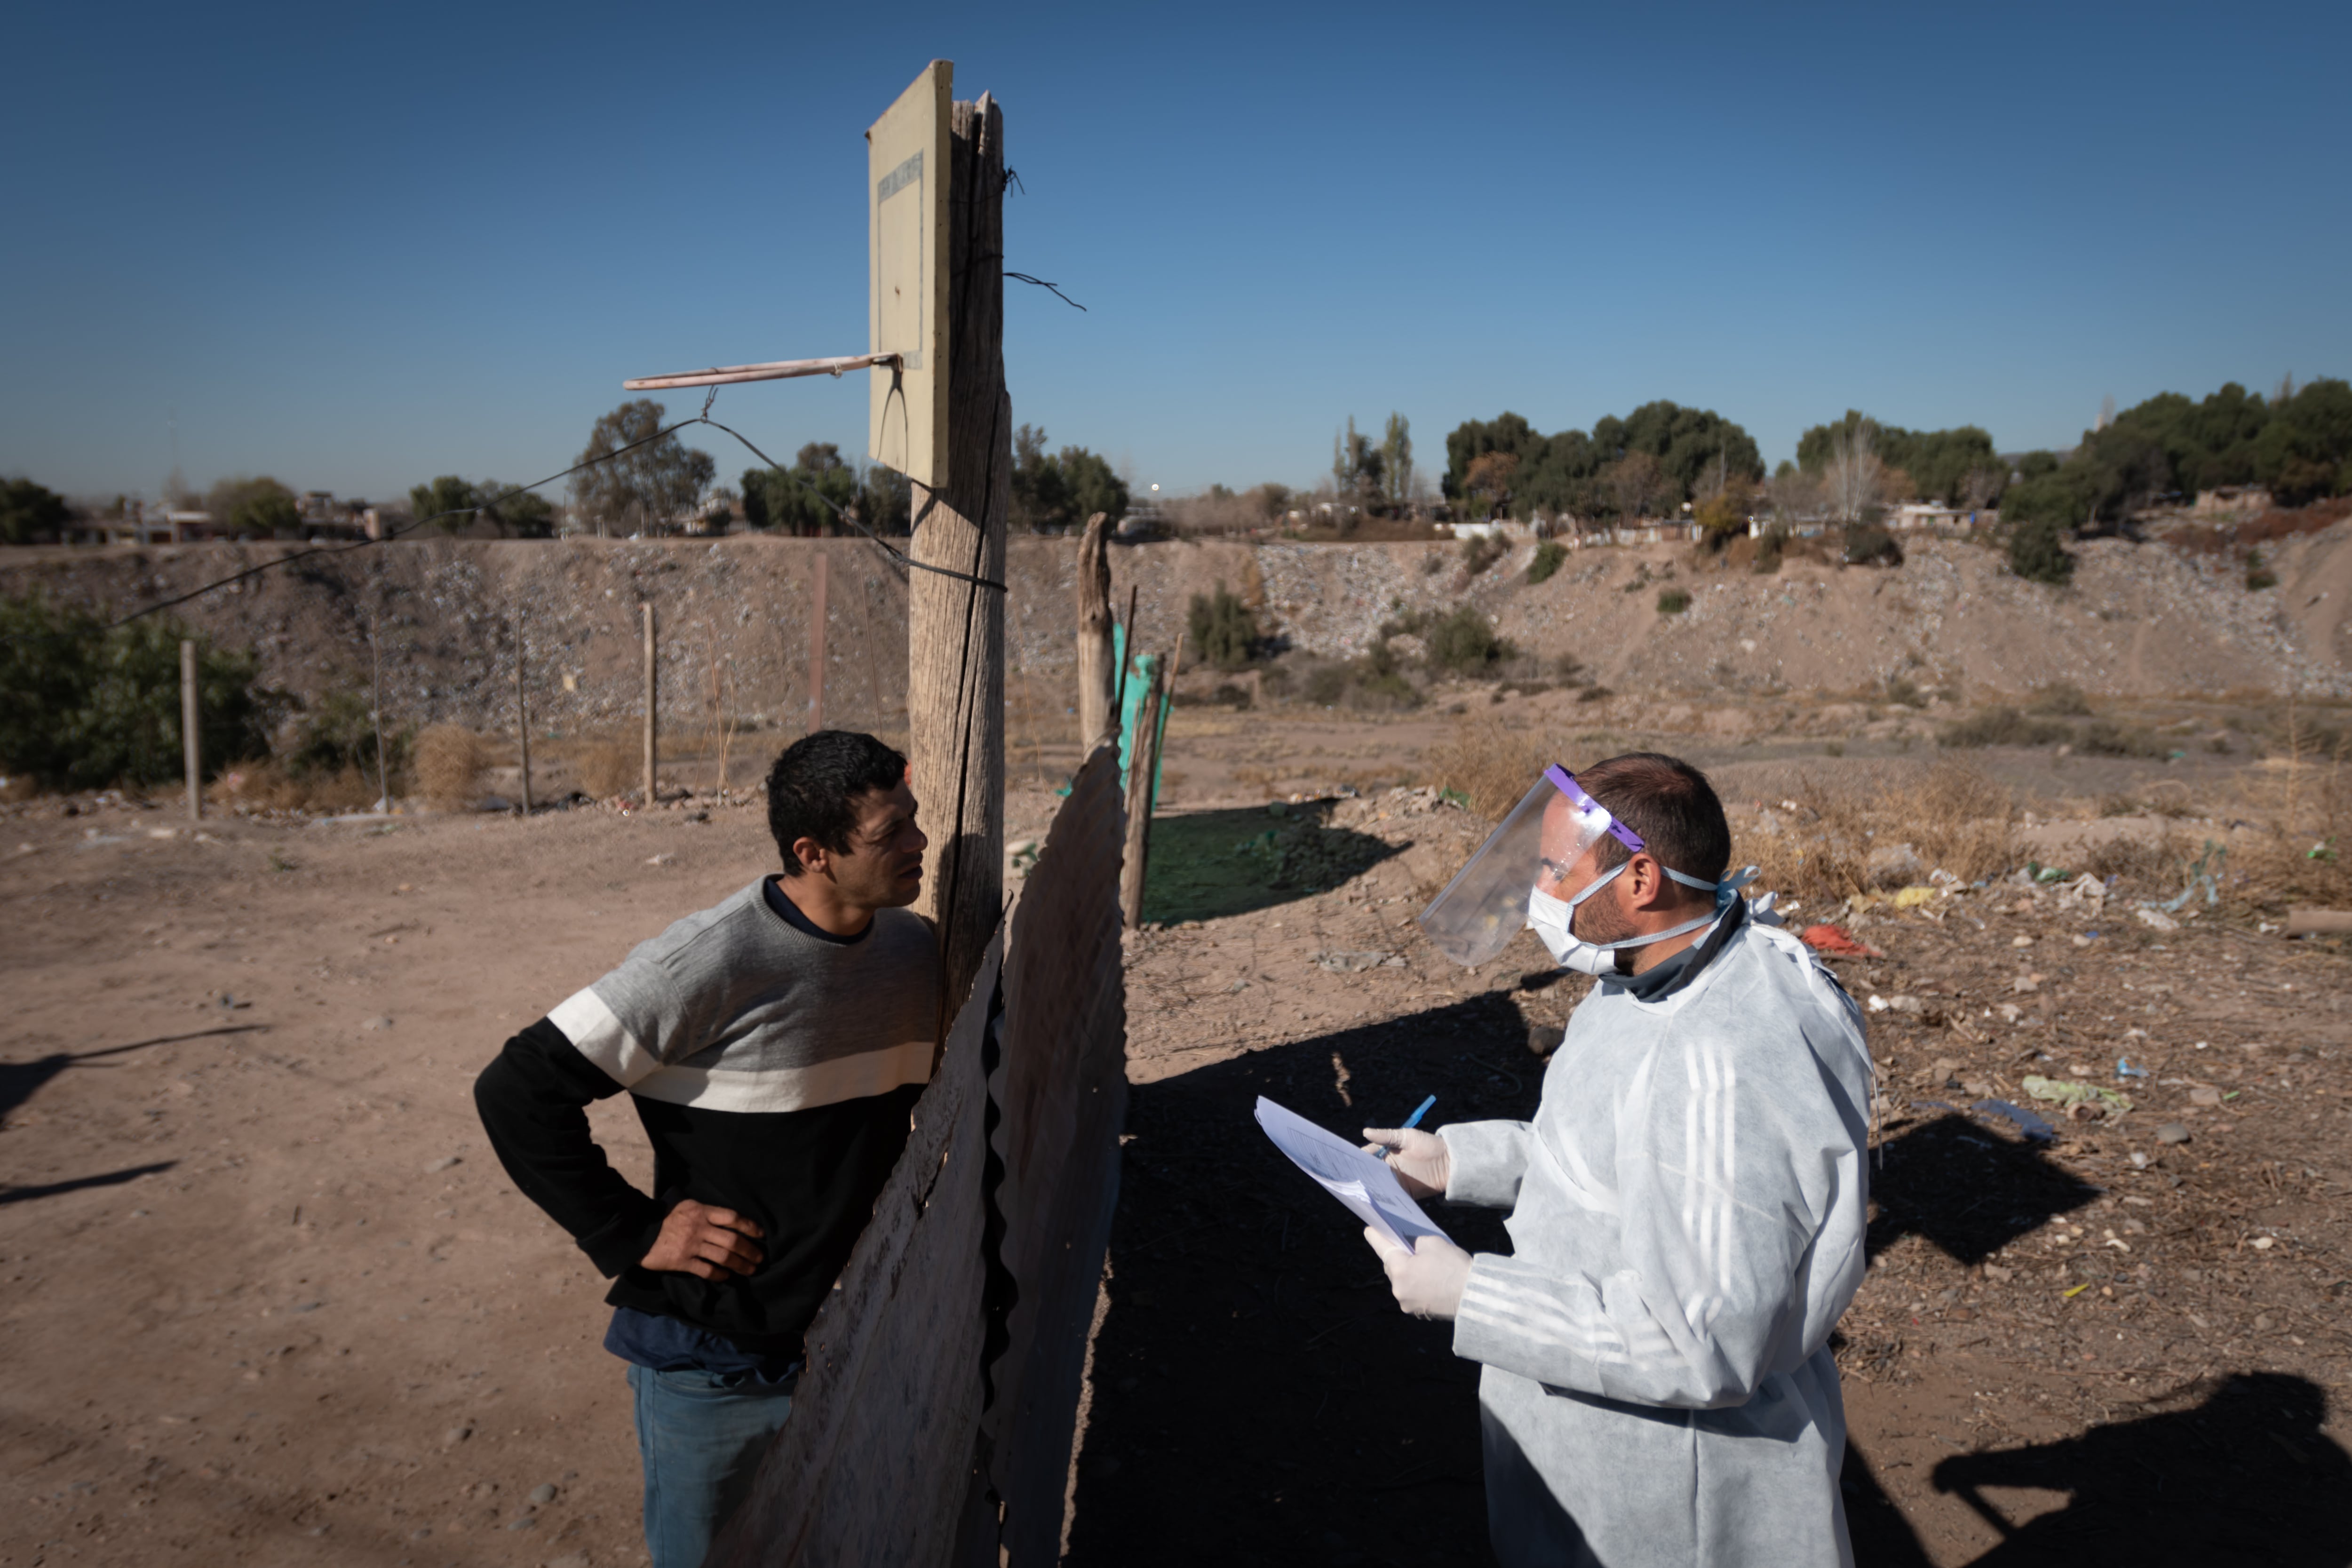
x=1428 y=1278
x=706 y=1242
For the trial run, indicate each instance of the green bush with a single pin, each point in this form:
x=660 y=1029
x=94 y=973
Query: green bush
x=2038 y=553
x=1550 y=556
x=1464 y=642
x=2002 y=727
x=2259 y=576
x=83 y=705
x=340 y=732
x=1673 y=601
x=1222 y=628
x=1867 y=544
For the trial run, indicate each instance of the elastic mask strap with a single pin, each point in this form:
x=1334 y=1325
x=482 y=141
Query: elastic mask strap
x=1724 y=892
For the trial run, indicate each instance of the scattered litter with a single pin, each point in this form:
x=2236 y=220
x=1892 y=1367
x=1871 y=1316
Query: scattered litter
x=2058 y=1091
x=1355 y=962
x=1837 y=941
x=2085 y=889
x=2124 y=1069
x=2204 y=1094
x=2032 y=1127
x=2263 y=1243
x=2158 y=919
x=1911 y=897
x=2077 y=1290
x=2173 y=1132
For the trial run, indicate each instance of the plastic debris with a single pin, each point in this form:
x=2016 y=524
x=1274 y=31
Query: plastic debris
x=2077 y=1290
x=2124 y=1069
x=2062 y=1091
x=2158 y=919
x=1912 y=897
x=2035 y=1129
x=2173 y=1132
x=1837 y=941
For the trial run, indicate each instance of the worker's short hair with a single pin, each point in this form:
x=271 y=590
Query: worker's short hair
x=814 y=789
x=1670 y=803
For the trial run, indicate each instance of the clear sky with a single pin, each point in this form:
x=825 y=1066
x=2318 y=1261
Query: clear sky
x=358 y=246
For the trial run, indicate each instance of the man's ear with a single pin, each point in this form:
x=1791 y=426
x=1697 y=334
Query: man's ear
x=813 y=857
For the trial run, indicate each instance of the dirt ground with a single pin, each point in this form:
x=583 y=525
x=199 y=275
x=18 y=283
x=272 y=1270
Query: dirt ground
x=271 y=1300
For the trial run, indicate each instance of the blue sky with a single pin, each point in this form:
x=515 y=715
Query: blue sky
x=357 y=248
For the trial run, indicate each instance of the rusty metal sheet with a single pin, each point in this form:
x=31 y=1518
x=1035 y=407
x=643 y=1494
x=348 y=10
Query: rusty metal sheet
x=874 y=1464
x=1061 y=1087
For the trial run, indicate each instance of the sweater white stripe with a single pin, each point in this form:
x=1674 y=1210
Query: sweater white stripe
x=790 y=1088
x=600 y=1036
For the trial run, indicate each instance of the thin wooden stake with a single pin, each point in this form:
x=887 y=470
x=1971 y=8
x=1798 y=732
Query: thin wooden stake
x=653 y=699
x=816 y=645
x=522 y=719
x=382 y=772
x=1141 y=756
x=1097 y=679
x=190 y=737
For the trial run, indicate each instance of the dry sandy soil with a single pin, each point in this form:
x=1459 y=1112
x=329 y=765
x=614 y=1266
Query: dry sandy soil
x=270 y=1300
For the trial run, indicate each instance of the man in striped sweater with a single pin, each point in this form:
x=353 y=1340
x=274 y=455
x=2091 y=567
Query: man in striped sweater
x=772 y=1047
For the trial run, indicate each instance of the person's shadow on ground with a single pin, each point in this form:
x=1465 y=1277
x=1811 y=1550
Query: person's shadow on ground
x=2234 y=1469
x=1967 y=1188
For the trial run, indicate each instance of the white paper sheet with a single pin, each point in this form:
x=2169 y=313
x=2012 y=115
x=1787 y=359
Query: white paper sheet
x=1363 y=1183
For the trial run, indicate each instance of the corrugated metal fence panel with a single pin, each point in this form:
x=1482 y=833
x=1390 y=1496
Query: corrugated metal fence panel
x=1061 y=1086
x=874 y=1464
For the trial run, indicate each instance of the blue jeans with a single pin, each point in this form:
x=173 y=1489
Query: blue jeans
x=701 y=1435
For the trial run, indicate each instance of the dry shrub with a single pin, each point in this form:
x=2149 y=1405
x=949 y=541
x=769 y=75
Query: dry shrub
x=2147 y=867
x=608 y=768
x=1957 y=819
x=272 y=786
x=2301 y=852
x=450 y=765
x=1490 y=763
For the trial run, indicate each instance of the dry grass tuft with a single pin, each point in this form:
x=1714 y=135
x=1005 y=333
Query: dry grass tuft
x=1955 y=818
x=449 y=765
x=1491 y=762
x=2301 y=853
x=272 y=786
x=608 y=768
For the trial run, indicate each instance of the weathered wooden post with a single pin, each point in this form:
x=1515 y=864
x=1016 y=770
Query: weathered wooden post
x=816 y=646
x=1098 y=668
x=955 y=633
x=653 y=699
x=191 y=742
x=522 y=718
x=1142 y=763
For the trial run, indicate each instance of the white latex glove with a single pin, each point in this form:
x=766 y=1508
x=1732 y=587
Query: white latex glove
x=1428 y=1281
x=1421 y=1159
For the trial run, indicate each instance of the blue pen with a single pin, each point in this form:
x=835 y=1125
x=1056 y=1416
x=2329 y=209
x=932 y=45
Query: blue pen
x=1411 y=1122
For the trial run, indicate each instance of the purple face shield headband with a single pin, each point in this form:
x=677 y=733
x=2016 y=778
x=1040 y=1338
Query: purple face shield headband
x=1565 y=782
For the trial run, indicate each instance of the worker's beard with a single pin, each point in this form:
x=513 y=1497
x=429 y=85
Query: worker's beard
x=1600 y=921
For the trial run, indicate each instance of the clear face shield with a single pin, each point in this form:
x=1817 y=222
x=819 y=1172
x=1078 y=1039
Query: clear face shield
x=1532 y=852
x=1519 y=877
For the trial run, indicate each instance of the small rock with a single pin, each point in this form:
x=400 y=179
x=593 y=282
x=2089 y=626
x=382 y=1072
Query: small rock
x=2023 y=983
x=543 y=1493
x=525 y=1522
x=2158 y=919
x=1905 y=1004
x=2010 y=1012
x=2173 y=1132
x=378 y=1022
x=455 y=1436
x=1998 y=1275
x=659 y=859
x=2262 y=1243
x=2204 y=1095
x=444 y=1163
x=2020 y=941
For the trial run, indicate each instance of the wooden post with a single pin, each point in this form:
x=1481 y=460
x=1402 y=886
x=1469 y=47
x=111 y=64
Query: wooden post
x=955 y=629
x=817 y=647
x=1141 y=758
x=653 y=700
x=1097 y=675
x=522 y=719
x=191 y=739
x=375 y=714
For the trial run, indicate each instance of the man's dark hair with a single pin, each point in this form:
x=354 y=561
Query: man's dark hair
x=815 y=787
x=1670 y=803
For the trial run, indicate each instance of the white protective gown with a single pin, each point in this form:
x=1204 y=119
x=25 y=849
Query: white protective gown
x=1687 y=1212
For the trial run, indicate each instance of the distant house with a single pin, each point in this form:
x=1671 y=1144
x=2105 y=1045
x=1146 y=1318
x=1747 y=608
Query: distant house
x=142 y=522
